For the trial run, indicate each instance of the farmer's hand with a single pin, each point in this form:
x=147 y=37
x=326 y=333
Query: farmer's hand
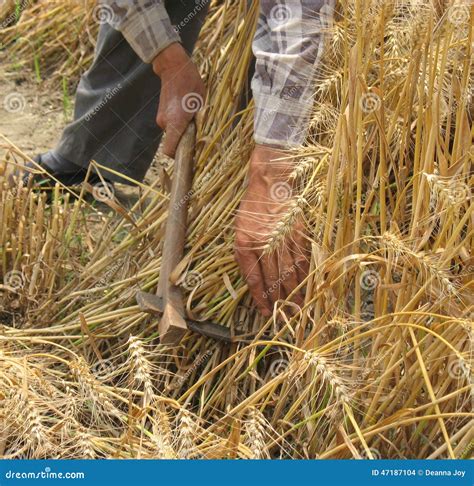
x=267 y=199
x=182 y=94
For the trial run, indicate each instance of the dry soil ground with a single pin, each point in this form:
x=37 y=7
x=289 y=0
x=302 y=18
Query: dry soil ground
x=32 y=116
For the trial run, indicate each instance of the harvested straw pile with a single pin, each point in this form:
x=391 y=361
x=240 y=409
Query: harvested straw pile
x=53 y=38
x=378 y=363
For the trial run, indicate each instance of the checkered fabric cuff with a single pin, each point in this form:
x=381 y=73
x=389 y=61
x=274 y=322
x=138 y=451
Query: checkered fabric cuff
x=281 y=121
x=145 y=24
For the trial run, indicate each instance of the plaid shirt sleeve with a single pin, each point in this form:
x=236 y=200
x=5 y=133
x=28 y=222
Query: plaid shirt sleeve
x=288 y=46
x=145 y=24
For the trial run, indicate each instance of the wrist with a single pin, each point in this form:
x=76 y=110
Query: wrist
x=172 y=58
x=269 y=165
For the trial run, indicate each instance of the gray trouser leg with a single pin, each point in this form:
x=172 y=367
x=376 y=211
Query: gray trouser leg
x=117 y=102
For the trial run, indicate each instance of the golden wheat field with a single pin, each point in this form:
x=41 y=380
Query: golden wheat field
x=377 y=363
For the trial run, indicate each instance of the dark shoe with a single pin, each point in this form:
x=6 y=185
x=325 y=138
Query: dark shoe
x=70 y=177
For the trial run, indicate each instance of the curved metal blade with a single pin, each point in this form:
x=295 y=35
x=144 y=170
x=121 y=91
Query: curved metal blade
x=211 y=330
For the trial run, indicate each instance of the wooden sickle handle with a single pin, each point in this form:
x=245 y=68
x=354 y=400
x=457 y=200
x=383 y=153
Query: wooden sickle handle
x=176 y=224
x=175 y=236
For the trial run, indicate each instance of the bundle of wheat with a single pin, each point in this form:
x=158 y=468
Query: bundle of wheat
x=378 y=361
x=54 y=39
